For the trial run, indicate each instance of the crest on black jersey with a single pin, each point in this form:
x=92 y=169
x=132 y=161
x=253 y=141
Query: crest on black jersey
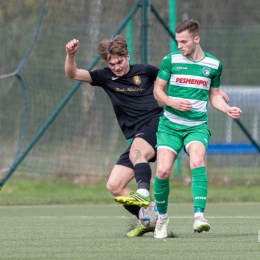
x=137 y=80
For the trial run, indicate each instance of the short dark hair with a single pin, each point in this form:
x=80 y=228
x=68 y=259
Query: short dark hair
x=116 y=46
x=191 y=25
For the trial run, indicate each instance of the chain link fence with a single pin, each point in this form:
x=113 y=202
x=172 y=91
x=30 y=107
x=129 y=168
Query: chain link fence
x=83 y=140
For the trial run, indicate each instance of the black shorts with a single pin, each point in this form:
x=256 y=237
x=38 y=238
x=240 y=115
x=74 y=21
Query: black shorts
x=146 y=132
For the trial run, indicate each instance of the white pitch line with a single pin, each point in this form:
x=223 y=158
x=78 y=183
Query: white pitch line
x=124 y=217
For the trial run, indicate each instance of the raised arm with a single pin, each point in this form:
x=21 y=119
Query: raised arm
x=71 y=69
x=218 y=103
x=161 y=97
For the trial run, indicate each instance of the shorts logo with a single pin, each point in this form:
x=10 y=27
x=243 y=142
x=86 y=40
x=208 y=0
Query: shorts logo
x=206 y=71
x=137 y=80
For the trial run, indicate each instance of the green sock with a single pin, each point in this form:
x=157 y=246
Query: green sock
x=161 y=194
x=199 y=188
x=198 y=209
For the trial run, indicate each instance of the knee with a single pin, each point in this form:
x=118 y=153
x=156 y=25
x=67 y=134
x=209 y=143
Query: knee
x=112 y=188
x=163 y=173
x=196 y=163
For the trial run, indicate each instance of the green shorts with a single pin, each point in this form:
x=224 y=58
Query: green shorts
x=175 y=137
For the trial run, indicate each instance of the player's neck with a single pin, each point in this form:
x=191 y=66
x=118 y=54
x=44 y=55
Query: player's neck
x=197 y=55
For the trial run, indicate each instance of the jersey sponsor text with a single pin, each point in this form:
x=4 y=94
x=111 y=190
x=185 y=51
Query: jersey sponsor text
x=191 y=81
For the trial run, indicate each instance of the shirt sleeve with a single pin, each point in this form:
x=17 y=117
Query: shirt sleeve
x=165 y=68
x=151 y=71
x=215 y=82
x=98 y=77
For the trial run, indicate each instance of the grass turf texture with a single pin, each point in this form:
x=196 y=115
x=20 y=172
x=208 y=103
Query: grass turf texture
x=63 y=191
x=99 y=232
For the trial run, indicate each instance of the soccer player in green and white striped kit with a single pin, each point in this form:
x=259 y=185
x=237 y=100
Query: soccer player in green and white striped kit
x=192 y=78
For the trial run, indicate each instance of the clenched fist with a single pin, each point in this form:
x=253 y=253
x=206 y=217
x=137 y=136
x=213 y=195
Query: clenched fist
x=72 y=47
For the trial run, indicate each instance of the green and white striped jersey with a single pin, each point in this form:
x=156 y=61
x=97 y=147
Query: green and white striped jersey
x=190 y=80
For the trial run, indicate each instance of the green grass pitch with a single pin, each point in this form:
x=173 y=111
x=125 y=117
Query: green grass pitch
x=99 y=232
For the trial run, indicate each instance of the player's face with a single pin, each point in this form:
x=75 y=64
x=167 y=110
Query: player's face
x=187 y=43
x=119 y=65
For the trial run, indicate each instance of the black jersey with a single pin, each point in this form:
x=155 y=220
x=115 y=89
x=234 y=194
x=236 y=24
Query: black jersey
x=131 y=95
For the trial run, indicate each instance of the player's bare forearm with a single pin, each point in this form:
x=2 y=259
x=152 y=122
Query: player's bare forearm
x=161 y=97
x=70 y=66
x=158 y=91
x=71 y=69
x=218 y=103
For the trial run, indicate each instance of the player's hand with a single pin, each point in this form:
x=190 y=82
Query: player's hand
x=180 y=104
x=224 y=95
x=72 y=47
x=234 y=112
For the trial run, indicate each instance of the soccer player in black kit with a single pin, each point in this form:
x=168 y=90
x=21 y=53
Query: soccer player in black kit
x=130 y=89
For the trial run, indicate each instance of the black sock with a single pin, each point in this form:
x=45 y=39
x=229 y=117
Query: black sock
x=143 y=174
x=133 y=210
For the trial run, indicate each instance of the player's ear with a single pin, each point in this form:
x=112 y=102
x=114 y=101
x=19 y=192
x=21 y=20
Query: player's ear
x=197 y=39
x=128 y=56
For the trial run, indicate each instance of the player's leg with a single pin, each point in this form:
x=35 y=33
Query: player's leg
x=118 y=180
x=169 y=144
x=141 y=153
x=196 y=147
x=165 y=160
x=121 y=175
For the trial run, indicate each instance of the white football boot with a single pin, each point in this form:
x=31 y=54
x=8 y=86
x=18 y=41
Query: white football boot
x=161 y=226
x=201 y=224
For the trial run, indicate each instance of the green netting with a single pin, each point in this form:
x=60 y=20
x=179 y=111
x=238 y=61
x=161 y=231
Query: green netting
x=84 y=141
